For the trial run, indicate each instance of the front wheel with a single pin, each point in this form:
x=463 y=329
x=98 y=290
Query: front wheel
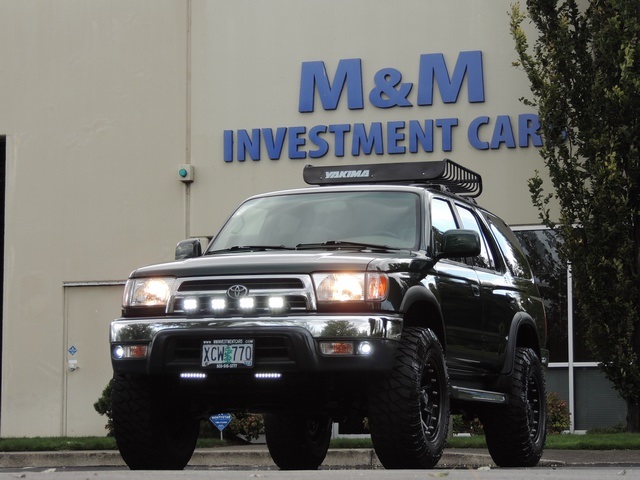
x=516 y=433
x=409 y=407
x=297 y=442
x=152 y=427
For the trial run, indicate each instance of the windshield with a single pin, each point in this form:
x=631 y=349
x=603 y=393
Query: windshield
x=386 y=219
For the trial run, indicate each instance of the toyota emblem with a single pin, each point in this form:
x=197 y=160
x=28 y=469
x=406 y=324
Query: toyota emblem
x=237 y=291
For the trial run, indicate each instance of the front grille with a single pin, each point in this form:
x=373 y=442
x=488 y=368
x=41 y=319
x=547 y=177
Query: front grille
x=218 y=296
x=223 y=284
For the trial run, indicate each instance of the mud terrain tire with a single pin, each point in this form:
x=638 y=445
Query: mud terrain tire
x=152 y=428
x=516 y=433
x=296 y=442
x=409 y=407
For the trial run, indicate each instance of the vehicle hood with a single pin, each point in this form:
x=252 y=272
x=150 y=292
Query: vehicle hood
x=258 y=263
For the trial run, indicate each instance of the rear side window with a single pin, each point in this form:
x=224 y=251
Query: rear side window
x=510 y=248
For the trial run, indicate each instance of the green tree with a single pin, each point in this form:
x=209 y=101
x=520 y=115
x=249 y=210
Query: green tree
x=584 y=71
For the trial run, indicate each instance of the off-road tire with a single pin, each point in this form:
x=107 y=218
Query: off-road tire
x=408 y=409
x=297 y=442
x=516 y=433
x=152 y=428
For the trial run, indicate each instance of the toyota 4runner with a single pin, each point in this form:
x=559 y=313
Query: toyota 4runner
x=382 y=293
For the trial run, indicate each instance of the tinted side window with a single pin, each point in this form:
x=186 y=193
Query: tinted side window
x=442 y=219
x=470 y=222
x=513 y=255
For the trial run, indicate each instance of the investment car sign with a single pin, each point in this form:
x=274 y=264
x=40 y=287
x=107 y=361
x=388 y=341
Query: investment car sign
x=390 y=91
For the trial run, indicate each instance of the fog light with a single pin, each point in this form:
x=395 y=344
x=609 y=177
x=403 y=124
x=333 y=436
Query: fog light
x=247 y=303
x=276 y=303
x=336 y=348
x=218 y=304
x=365 y=348
x=190 y=304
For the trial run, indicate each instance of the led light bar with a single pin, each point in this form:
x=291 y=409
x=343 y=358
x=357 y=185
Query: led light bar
x=268 y=376
x=193 y=375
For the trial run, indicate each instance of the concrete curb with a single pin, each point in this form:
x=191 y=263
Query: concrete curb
x=362 y=458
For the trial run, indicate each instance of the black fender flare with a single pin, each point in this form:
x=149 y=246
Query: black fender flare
x=521 y=320
x=420 y=293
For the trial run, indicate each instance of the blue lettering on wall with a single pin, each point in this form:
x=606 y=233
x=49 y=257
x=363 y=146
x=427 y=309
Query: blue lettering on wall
x=528 y=128
x=296 y=140
x=447 y=124
x=386 y=90
x=316 y=139
x=473 y=133
x=501 y=133
x=339 y=131
x=433 y=69
x=273 y=143
x=367 y=142
x=418 y=135
x=314 y=77
x=395 y=137
x=389 y=92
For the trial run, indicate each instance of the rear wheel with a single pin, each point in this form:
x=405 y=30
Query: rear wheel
x=297 y=442
x=516 y=433
x=409 y=407
x=152 y=427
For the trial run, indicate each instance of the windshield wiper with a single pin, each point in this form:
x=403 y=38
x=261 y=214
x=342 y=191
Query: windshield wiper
x=249 y=248
x=343 y=244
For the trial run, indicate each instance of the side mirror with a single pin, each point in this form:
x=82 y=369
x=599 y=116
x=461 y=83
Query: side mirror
x=460 y=243
x=189 y=248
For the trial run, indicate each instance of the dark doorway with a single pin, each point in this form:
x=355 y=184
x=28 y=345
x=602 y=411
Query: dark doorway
x=3 y=165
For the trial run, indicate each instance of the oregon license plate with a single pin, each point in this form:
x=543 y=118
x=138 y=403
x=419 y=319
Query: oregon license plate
x=227 y=353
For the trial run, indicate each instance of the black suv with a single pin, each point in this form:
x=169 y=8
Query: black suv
x=383 y=296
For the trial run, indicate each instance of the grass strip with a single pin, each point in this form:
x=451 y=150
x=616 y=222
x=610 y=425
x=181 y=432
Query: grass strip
x=616 y=441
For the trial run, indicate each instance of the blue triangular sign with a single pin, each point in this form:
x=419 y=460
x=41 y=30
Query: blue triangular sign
x=221 y=420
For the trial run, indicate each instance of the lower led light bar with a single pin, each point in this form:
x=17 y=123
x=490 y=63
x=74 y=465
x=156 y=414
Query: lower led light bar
x=193 y=375
x=268 y=376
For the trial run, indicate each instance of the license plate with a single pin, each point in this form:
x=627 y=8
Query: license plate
x=227 y=353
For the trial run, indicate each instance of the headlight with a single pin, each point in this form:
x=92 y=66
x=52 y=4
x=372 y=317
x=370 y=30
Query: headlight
x=147 y=292
x=345 y=287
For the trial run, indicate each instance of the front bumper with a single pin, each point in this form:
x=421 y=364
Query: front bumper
x=283 y=344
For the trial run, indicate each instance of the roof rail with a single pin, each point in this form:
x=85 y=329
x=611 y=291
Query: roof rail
x=456 y=178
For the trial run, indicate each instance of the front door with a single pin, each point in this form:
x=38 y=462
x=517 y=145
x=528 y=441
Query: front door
x=89 y=309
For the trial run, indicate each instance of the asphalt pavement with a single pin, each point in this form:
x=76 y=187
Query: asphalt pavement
x=257 y=456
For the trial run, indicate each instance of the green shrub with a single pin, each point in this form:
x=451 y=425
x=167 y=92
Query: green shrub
x=103 y=407
x=558 y=417
x=464 y=423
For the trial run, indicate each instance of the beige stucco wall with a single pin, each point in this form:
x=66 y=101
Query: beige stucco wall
x=101 y=100
x=92 y=97
x=246 y=74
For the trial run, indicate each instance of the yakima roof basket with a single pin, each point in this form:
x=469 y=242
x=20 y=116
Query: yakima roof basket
x=454 y=177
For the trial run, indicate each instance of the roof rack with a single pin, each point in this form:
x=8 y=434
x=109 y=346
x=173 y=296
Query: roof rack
x=454 y=177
